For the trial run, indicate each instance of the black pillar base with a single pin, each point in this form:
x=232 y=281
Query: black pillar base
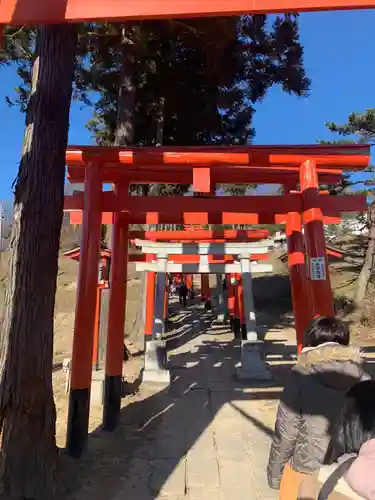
x=208 y=305
x=231 y=322
x=112 y=402
x=237 y=328
x=244 y=332
x=78 y=421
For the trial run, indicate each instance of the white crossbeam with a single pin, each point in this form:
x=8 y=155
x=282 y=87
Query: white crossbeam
x=202 y=268
x=227 y=248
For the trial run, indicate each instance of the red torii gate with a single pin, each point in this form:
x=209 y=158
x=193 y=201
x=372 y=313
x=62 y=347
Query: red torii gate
x=187 y=236
x=305 y=208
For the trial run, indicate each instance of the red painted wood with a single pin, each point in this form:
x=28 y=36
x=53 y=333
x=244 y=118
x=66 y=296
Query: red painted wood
x=201 y=218
x=283 y=157
x=117 y=298
x=30 y=12
x=219 y=175
x=321 y=293
x=330 y=205
x=84 y=326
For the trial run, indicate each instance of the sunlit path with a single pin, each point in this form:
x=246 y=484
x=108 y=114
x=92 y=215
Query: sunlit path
x=205 y=437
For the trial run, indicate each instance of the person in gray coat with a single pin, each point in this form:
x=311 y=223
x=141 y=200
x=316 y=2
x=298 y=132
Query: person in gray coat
x=311 y=401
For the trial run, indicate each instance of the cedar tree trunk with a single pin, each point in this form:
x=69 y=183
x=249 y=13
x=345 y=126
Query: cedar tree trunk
x=27 y=410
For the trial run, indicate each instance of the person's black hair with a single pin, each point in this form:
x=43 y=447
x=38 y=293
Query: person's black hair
x=326 y=329
x=356 y=424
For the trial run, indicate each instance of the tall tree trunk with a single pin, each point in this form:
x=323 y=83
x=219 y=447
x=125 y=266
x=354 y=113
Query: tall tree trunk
x=160 y=122
x=368 y=264
x=27 y=410
x=124 y=135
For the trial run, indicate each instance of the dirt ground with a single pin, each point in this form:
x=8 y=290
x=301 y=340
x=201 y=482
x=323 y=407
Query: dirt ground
x=66 y=302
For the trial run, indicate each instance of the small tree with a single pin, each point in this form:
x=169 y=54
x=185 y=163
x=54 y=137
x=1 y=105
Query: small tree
x=362 y=125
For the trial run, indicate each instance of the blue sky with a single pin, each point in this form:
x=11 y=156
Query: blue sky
x=339 y=58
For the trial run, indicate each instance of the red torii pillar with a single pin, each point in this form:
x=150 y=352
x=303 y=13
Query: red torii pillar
x=205 y=287
x=96 y=347
x=102 y=285
x=166 y=301
x=83 y=339
x=299 y=279
x=241 y=307
x=231 y=301
x=237 y=308
x=320 y=286
x=189 y=285
x=116 y=318
x=150 y=300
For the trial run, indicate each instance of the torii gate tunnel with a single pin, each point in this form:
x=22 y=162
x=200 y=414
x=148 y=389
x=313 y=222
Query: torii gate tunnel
x=303 y=166
x=303 y=211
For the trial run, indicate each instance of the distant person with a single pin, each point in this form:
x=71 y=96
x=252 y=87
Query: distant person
x=311 y=401
x=352 y=450
x=183 y=293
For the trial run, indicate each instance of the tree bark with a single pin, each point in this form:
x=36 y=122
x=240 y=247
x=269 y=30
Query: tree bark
x=27 y=410
x=124 y=135
x=368 y=264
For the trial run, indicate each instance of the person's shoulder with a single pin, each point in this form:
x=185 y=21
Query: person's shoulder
x=298 y=370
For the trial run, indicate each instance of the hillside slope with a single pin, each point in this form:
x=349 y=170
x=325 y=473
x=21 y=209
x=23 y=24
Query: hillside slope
x=66 y=301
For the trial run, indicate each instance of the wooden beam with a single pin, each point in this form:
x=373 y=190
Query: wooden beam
x=140 y=204
x=283 y=158
x=194 y=235
x=195 y=259
x=330 y=205
x=203 y=268
x=219 y=175
x=200 y=218
x=231 y=247
x=31 y=12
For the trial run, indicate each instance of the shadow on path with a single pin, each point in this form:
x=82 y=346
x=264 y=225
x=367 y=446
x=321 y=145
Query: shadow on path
x=169 y=439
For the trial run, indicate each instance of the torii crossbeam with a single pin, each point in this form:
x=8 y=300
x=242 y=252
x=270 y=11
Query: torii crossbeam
x=33 y=12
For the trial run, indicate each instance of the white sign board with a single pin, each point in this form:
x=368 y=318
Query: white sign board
x=317 y=269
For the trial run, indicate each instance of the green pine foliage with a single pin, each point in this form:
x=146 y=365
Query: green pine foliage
x=183 y=82
x=201 y=75
x=360 y=128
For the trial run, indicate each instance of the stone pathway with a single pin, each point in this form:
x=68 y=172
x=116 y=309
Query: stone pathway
x=206 y=437
x=212 y=442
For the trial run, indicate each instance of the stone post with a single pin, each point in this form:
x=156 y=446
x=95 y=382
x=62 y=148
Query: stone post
x=156 y=351
x=248 y=299
x=253 y=365
x=220 y=299
x=158 y=328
